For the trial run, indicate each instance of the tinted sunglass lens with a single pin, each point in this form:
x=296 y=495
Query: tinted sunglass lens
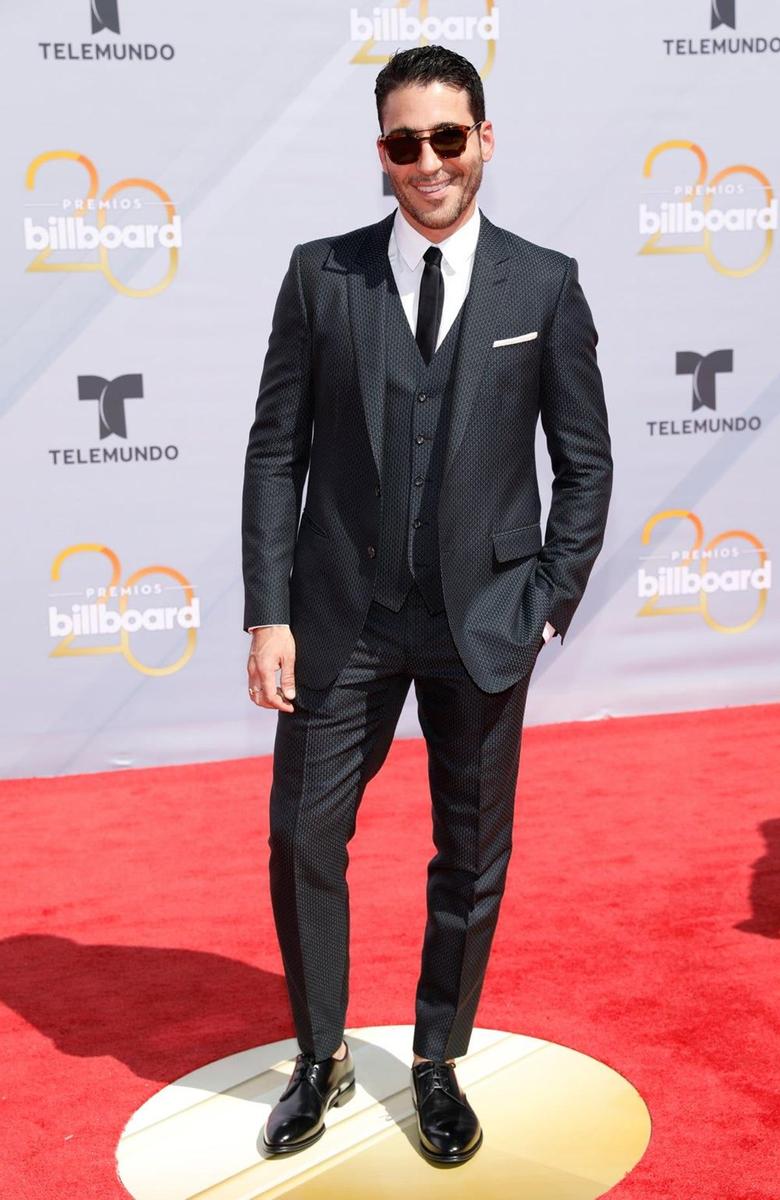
x=402 y=150
x=448 y=143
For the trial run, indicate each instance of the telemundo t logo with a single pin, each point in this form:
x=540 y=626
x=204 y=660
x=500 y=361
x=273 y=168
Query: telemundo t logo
x=105 y=15
x=704 y=368
x=723 y=12
x=111 y=395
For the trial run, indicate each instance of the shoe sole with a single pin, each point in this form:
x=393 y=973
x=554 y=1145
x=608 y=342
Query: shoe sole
x=335 y=1101
x=450 y=1160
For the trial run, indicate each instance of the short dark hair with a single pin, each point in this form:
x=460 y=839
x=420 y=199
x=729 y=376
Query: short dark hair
x=430 y=64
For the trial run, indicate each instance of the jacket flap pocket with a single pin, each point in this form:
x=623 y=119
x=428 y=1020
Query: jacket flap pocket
x=517 y=543
x=306 y=519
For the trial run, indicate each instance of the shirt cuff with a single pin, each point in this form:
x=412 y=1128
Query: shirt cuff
x=548 y=631
x=270 y=626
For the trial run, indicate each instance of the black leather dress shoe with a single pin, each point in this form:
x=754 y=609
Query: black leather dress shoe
x=449 y=1128
x=297 y=1120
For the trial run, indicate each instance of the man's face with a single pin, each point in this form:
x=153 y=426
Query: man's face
x=434 y=192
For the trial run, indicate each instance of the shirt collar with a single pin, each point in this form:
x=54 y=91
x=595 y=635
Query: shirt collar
x=456 y=249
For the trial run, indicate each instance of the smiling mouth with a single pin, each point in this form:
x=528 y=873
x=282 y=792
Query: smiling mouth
x=432 y=189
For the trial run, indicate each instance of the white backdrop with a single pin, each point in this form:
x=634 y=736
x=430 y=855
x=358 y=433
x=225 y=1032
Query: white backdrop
x=218 y=136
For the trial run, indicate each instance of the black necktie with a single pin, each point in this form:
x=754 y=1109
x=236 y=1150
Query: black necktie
x=431 y=303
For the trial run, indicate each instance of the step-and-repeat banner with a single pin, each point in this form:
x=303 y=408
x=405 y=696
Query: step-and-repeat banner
x=160 y=162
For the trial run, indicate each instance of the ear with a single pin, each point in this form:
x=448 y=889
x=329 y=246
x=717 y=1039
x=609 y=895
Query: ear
x=487 y=140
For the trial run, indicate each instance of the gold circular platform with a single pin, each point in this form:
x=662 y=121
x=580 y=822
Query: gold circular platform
x=557 y=1124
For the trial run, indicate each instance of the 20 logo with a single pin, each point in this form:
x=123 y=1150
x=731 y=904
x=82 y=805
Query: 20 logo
x=704 y=188
x=94 y=618
x=701 y=581
x=40 y=261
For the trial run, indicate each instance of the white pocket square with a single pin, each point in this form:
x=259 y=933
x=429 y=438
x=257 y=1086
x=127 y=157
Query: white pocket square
x=523 y=337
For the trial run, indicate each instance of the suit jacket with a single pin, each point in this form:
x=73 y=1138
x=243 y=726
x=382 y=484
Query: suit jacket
x=320 y=409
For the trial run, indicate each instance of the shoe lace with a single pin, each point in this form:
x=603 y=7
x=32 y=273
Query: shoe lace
x=440 y=1076
x=305 y=1065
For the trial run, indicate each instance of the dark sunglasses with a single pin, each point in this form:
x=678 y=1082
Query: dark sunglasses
x=449 y=142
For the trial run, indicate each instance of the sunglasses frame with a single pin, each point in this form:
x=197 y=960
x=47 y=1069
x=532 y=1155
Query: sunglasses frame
x=426 y=137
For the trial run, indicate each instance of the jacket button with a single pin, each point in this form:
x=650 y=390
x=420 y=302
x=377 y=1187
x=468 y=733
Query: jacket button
x=371 y=551
x=422 y=397
x=377 y=490
x=419 y=439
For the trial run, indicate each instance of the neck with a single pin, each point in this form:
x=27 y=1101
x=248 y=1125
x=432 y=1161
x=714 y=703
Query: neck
x=438 y=235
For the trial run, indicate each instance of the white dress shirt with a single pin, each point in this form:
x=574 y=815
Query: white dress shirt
x=405 y=249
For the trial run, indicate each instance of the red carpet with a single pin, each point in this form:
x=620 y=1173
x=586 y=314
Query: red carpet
x=641 y=925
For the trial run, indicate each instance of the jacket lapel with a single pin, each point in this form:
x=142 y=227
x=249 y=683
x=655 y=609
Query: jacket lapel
x=367 y=288
x=481 y=311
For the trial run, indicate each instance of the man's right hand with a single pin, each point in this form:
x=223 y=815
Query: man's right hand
x=272 y=649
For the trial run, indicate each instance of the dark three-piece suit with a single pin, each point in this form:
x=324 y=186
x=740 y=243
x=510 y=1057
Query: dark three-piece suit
x=419 y=557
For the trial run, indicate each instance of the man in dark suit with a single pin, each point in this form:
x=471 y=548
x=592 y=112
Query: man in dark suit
x=407 y=366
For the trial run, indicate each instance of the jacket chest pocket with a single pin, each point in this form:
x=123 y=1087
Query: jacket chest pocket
x=518 y=358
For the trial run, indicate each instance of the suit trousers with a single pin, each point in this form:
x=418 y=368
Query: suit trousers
x=325 y=752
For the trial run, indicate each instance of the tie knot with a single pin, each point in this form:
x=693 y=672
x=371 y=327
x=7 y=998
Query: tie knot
x=433 y=256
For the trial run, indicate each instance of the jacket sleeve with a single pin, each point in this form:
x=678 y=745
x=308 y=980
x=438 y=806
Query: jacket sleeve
x=277 y=458
x=574 y=419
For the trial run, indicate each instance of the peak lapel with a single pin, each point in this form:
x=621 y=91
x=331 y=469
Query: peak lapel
x=480 y=312
x=367 y=288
